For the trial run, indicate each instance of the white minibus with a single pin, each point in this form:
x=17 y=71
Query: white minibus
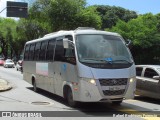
x=82 y=65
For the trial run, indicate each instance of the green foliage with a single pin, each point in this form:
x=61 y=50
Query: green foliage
x=38 y=11
x=6 y=23
x=145 y=35
x=142 y=31
x=7 y=35
x=88 y=17
x=29 y=29
x=64 y=14
x=111 y=14
x=61 y=14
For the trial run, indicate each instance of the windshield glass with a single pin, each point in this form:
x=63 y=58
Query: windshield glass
x=102 y=49
x=158 y=69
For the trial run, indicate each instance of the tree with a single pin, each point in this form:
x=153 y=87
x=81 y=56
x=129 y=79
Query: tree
x=29 y=29
x=1 y=43
x=141 y=30
x=144 y=33
x=111 y=14
x=9 y=45
x=64 y=14
x=88 y=17
x=7 y=35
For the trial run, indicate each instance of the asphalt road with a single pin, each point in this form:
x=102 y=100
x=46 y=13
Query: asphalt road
x=23 y=100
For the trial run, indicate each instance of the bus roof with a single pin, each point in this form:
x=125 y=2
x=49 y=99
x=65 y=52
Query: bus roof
x=77 y=31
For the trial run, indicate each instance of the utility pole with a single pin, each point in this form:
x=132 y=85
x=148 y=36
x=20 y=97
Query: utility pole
x=3 y=10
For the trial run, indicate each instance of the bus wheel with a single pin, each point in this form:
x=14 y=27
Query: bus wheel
x=116 y=102
x=34 y=86
x=70 y=100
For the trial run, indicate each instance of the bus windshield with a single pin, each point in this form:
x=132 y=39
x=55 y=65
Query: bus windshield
x=100 y=48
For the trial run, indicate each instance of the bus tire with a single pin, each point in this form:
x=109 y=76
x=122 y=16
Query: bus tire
x=116 y=102
x=70 y=100
x=34 y=86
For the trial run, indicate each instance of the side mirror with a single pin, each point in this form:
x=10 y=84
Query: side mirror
x=156 y=77
x=128 y=43
x=65 y=43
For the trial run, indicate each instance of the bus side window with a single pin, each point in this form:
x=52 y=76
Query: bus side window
x=42 y=55
x=59 y=51
x=50 y=50
x=37 y=50
x=69 y=54
x=26 y=53
x=31 y=52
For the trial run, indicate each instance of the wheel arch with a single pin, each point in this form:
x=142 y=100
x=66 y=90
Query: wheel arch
x=33 y=78
x=66 y=87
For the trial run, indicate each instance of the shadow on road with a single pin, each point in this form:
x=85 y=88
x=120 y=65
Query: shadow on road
x=147 y=99
x=100 y=109
x=87 y=109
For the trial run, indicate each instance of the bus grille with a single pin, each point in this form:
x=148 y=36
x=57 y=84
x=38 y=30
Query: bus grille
x=115 y=92
x=113 y=82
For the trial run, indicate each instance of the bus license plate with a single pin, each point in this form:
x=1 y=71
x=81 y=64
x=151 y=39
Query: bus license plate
x=114 y=88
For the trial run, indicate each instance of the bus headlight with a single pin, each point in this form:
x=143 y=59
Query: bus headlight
x=131 y=79
x=92 y=81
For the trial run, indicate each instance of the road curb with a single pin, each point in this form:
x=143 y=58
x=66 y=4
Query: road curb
x=4 y=85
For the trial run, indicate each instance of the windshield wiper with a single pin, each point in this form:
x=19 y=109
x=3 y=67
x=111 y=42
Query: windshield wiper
x=108 y=61
x=111 y=61
x=94 y=59
x=122 y=61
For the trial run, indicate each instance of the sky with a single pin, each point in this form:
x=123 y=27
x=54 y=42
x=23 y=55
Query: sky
x=140 y=6
x=2 y=6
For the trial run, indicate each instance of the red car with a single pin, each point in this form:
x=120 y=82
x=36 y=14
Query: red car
x=1 y=61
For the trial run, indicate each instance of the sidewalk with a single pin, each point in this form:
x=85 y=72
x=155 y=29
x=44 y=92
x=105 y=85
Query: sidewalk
x=4 y=85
